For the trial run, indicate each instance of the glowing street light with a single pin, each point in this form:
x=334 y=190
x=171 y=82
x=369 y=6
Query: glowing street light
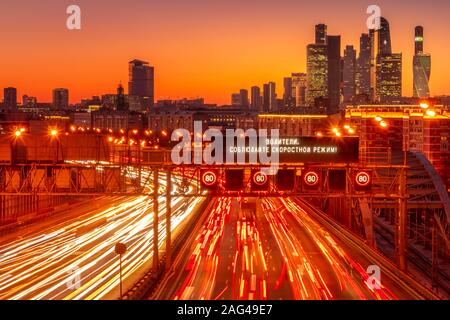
x=378 y=119
x=17 y=133
x=319 y=134
x=431 y=113
x=338 y=134
x=351 y=131
x=424 y=105
x=383 y=124
x=53 y=132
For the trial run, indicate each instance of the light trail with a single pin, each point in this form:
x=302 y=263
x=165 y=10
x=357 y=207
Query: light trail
x=76 y=259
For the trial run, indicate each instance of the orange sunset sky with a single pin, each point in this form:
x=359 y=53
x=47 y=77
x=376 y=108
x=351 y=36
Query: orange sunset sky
x=204 y=48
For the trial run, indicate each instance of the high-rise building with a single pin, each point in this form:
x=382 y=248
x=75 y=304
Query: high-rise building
x=421 y=67
x=321 y=34
x=363 y=70
x=236 y=99
x=9 y=98
x=244 y=97
x=349 y=73
x=287 y=92
x=389 y=78
x=240 y=99
x=381 y=59
x=60 y=98
x=299 y=85
x=334 y=72
x=384 y=45
x=256 y=104
x=418 y=40
x=317 y=72
x=141 y=81
x=269 y=97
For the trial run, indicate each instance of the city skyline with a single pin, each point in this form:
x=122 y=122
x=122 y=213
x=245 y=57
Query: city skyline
x=215 y=68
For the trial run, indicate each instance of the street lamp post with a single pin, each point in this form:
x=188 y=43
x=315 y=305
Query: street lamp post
x=120 y=249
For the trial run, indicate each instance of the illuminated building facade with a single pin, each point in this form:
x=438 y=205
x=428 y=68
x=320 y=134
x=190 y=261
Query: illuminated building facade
x=408 y=127
x=389 y=78
x=317 y=72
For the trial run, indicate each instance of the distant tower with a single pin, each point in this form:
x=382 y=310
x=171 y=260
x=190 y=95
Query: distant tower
x=141 y=81
x=421 y=67
x=256 y=98
x=299 y=85
x=334 y=72
x=121 y=104
x=321 y=34
x=10 y=98
x=363 y=69
x=269 y=97
x=349 y=73
x=60 y=98
x=287 y=92
x=317 y=72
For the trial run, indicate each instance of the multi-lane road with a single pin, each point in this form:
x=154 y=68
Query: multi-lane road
x=72 y=256
x=273 y=249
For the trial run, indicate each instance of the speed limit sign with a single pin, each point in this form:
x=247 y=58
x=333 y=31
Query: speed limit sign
x=363 y=180
x=259 y=181
x=209 y=179
x=311 y=178
x=260 y=178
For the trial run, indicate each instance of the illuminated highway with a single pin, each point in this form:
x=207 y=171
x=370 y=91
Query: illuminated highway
x=47 y=261
x=275 y=252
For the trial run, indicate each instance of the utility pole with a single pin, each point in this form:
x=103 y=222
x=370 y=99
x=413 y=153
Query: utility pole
x=155 y=221
x=168 y=219
x=402 y=245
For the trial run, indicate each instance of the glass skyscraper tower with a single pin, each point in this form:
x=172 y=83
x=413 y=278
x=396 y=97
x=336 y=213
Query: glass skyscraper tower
x=421 y=67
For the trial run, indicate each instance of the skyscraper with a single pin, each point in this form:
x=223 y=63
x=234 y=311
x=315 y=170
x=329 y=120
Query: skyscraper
x=236 y=99
x=269 y=97
x=384 y=45
x=418 y=40
x=287 y=92
x=9 y=98
x=317 y=72
x=349 y=73
x=421 y=67
x=299 y=85
x=256 y=104
x=60 y=98
x=334 y=72
x=141 y=81
x=389 y=78
x=243 y=93
x=321 y=34
x=386 y=67
x=363 y=70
